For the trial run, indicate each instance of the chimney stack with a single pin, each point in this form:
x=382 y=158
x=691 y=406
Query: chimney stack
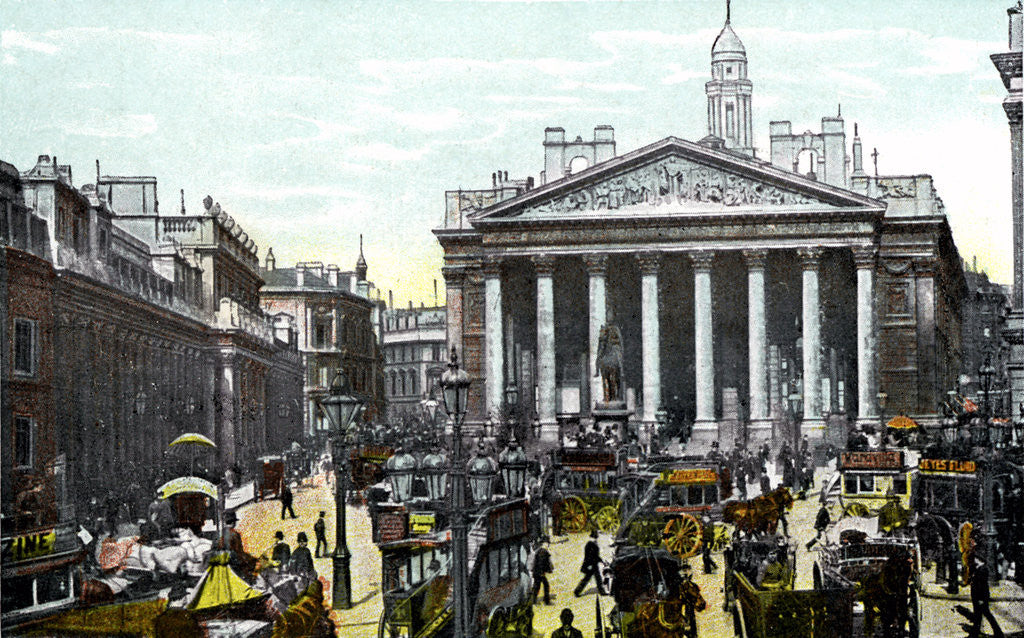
x=270 y=262
x=435 y=292
x=858 y=153
x=300 y=275
x=391 y=300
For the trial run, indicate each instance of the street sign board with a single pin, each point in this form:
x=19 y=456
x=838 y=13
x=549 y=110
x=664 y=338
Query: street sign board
x=421 y=522
x=947 y=465
x=695 y=475
x=872 y=460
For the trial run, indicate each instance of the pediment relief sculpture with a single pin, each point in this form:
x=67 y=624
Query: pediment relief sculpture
x=670 y=181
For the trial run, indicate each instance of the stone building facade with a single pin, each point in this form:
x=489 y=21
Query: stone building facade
x=415 y=357
x=337 y=326
x=743 y=290
x=1009 y=65
x=986 y=309
x=156 y=332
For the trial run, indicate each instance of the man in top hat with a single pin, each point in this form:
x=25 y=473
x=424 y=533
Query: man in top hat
x=282 y=552
x=707 y=540
x=320 y=531
x=591 y=565
x=541 y=568
x=301 y=561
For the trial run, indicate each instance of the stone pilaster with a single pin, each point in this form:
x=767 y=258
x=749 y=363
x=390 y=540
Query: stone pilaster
x=597 y=269
x=757 y=346
x=544 y=266
x=649 y=263
x=864 y=258
x=705 y=427
x=493 y=339
x=813 y=424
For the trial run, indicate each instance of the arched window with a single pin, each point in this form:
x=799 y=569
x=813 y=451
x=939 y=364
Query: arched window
x=577 y=164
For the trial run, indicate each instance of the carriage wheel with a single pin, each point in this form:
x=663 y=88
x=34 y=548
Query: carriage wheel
x=682 y=535
x=574 y=515
x=607 y=519
x=913 y=615
x=857 y=509
x=721 y=537
x=496 y=624
x=524 y=623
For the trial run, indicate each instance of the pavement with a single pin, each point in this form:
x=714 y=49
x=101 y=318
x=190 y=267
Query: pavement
x=258 y=522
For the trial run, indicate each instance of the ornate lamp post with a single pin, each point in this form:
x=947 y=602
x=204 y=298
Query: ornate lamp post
x=512 y=464
x=340 y=406
x=455 y=386
x=985 y=372
x=661 y=416
x=512 y=408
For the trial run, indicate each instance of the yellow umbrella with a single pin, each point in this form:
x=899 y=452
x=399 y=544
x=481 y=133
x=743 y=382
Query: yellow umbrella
x=184 y=484
x=193 y=437
x=902 y=423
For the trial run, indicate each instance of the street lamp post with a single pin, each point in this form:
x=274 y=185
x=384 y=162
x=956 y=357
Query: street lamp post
x=985 y=372
x=455 y=384
x=340 y=406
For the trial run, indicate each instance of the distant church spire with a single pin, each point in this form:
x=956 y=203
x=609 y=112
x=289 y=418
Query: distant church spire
x=361 y=262
x=729 y=91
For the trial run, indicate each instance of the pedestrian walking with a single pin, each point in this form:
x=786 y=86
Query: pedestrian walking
x=320 y=532
x=282 y=552
x=707 y=541
x=591 y=567
x=541 y=568
x=566 y=630
x=981 y=599
x=301 y=561
x=783 y=521
x=286 y=499
x=821 y=523
x=766 y=482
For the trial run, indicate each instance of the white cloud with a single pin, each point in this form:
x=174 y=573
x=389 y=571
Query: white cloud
x=278 y=193
x=600 y=87
x=951 y=55
x=542 y=99
x=429 y=122
x=679 y=75
x=19 y=40
x=382 y=151
x=103 y=124
x=326 y=131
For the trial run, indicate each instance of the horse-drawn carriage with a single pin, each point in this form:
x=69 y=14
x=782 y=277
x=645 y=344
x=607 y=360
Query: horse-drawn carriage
x=683 y=497
x=950 y=497
x=583 y=485
x=367 y=463
x=650 y=596
x=867 y=480
x=760 y=572
x=883 y=570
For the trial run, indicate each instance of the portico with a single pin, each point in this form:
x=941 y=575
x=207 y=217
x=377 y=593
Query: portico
x=704 y=259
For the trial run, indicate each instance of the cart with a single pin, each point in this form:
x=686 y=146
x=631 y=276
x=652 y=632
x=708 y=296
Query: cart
x=583 y=485
x=271 y=476
x=648 y=593
x=679 y=495
x=868 y=479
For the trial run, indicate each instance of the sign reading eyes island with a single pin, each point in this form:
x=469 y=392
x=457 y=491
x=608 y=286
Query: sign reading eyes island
x=957 y=466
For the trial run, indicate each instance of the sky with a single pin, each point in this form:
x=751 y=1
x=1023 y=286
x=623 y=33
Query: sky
x=312 y=121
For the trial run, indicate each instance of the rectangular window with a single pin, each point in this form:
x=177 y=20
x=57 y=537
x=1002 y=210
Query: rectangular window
x=730 y=121
x=23 y=443
x=26 y=348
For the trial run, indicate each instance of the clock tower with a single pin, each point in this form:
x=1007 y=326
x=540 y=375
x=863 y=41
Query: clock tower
x=729 y=91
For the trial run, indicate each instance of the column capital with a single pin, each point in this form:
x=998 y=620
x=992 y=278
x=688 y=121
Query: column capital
x=491 y=266
x=544 y=265
x=597 y=264
x=454 y=276
x=810 y=257
x=649 y=261
x=1013 y=112
x=755 y=258
x=925 y=266
x=701 y=259
x=864 y=256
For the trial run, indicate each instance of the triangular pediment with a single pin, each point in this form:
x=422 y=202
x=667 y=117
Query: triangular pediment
x=675 y=177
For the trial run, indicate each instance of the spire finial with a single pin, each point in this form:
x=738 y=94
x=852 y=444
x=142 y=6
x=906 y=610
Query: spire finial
x=360 y=243
x=728 y=11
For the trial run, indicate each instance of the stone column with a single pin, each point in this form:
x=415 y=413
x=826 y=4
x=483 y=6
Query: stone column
x=813 y=425
x=454 y=282
x=227 y=388
x=867 y=345
x=705 y=427
x=650 y=336
x=494 y=343
x=545 y=268
x=757 y=347
x=597 y=268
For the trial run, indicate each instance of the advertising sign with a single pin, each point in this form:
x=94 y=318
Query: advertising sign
x=697 y=475
x=947 y=465
x=29 y=546
x=872 y=460
x=421 y=522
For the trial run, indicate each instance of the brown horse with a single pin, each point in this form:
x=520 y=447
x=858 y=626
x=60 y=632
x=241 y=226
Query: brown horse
x=759 y=515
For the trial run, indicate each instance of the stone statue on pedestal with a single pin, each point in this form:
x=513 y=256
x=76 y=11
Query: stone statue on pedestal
x=609 y=363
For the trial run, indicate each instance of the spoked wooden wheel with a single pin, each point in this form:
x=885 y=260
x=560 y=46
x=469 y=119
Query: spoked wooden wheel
x=682 y=535
x=607 y=519
x=574 y=515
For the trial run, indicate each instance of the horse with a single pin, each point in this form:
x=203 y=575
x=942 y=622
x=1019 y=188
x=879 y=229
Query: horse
x=759 y=515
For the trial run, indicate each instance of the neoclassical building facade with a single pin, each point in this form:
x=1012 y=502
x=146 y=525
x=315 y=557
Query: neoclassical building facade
x=747 y=294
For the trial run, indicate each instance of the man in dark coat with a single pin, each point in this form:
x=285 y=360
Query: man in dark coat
x=821 y=523
x=766 y=482
x=282 y=552
x=567 y=630
x=301 y=561
x=707 y=540
x=692 y=600
x=980 y=599
x=320 y=532
x=591 y=565
x=286 y=500
x=541 y=568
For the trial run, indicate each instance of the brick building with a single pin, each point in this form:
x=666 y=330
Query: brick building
x=337 y=326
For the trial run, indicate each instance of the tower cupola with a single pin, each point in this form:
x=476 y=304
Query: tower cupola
x=729 y=91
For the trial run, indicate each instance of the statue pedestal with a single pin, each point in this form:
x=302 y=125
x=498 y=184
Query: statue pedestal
x=612 y=413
